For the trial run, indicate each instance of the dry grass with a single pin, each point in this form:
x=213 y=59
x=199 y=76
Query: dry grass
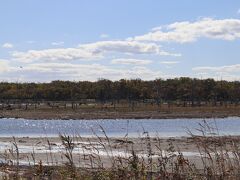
x=119 y=111
x=220 y=159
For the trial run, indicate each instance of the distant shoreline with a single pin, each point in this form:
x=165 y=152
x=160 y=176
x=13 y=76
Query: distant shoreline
x=93 y=114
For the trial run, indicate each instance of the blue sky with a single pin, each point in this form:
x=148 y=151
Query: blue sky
x=47 y=40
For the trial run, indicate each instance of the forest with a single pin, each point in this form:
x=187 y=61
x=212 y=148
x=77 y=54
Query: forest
x=179 y=89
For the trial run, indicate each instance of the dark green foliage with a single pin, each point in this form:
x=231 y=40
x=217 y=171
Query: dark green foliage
x=178 y=89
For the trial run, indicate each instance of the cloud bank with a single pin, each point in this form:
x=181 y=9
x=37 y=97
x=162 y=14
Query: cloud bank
x=185 y=32
x=91 y=72
x=64 y=63
x=92 y=51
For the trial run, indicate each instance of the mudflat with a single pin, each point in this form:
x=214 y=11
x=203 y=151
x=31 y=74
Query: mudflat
x=51 y=151
x=148 y=112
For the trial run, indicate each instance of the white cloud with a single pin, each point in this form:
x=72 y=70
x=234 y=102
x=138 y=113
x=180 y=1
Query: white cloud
x=169 y=62
x=60 y=43
x=223 y=69
x=131 y=61
x=91 y=51
x=3 y=66
x=45 y=72
x=230 y=72
x=183 y=32
x=7 y=45
x=55 y=54
x=103 y=36
x=130 y=47
x=143 y=73
x=67 y=71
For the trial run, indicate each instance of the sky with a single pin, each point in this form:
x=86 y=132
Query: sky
x=76 y=40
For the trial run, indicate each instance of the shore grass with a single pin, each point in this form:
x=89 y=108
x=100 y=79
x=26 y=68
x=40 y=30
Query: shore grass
x=219 y=158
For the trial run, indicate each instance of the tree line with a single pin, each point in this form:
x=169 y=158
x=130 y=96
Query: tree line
x=179 y=89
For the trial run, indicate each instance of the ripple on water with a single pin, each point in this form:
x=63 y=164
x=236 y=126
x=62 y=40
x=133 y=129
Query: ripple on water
x=163 y=128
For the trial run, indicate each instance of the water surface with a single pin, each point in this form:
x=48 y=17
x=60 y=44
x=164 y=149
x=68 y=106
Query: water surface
x=114 y=128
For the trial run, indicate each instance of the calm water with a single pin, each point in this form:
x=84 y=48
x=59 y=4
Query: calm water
x=162 y=128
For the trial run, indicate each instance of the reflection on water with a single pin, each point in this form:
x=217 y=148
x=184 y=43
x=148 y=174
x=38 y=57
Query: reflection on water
x=134 y=128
